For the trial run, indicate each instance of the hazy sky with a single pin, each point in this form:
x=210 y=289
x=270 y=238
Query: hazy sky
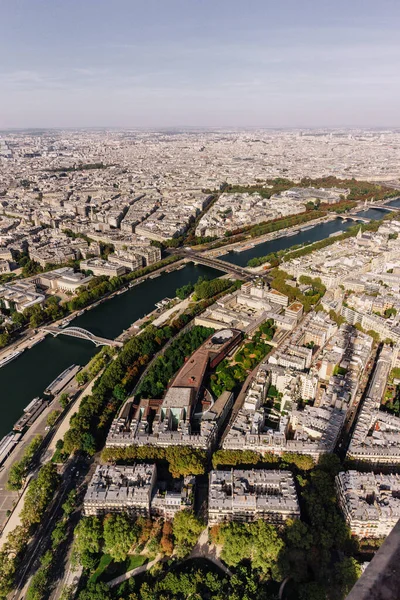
x=199 y=62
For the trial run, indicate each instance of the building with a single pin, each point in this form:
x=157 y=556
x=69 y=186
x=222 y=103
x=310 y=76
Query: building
x=64 y=279
x=117 y=488
x=135 y=489
x=376 y=436
x=186 y=415
x=20 y=295
x=98 y=266
x=370 y=502
x=166 y=503
x=248 y=495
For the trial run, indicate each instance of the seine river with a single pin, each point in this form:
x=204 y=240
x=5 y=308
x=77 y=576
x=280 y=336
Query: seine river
x=29 y=375
x=312 y=234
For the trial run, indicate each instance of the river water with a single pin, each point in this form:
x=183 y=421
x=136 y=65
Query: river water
x=29 y=375
x=312 y=234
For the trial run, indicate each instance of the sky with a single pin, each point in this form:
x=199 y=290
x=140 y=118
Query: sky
x=208 y=63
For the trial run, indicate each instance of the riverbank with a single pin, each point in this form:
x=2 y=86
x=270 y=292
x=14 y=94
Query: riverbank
x=28 y=375
x=267 y=237
x=34 y=336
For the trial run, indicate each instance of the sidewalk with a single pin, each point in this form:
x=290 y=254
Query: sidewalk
x=14 y=519
x=64 y=425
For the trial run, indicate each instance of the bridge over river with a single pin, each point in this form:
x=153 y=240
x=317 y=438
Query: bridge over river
x=83 y=334
x=215 y=263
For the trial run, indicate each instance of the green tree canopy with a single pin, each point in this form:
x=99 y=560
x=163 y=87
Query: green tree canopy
x=120 y=533
x=187 y=528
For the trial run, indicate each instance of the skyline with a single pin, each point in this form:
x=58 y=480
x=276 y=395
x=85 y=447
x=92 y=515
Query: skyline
x=181 y=64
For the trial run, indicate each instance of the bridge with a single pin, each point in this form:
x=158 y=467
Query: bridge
x=216 y=263
x=388 y=207
x=353 y=218
x=82 y=334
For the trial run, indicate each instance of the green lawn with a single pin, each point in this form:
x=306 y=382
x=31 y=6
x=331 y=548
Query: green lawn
x=107 y=569
x=136 y=560
x=105 y=561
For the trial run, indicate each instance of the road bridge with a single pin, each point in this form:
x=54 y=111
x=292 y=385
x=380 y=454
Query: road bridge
x=216 y=263
x=82 y=334
x=354 y=218
x=388 y=207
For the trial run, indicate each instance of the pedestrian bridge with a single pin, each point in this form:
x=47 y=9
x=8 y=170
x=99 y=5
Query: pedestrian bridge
x=82 y=334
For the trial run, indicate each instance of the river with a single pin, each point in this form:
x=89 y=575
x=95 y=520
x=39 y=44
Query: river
x=29 y=375
x=313 y=234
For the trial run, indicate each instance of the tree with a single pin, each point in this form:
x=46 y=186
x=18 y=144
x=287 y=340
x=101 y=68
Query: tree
x=67 y=592
x=7 y=572
x=19 y=469
x=347 y=571
x=184 y=291
x=187 y=528
x=53 y=417
x=236 y=543
x=4 y=338
x=96 y=591
x=64 y=400
x=184 y=460
x=88 y=539
x=298 y=534
x=70 y=503
x=167 y=542
x=39 y=494
x=259 y=541
x=82 y=377
x=39 y=585
x=119 y=536
x=312 y=591
x=302 y=461
x=59 y=533
x=17 y=539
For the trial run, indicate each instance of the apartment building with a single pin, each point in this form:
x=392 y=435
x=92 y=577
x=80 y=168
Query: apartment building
x=248 y=495
x=370 y=502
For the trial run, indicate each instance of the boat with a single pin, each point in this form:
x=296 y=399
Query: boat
x=307 y=228
x=62 y=379
x=4 y=361
x=155 y=275
x=31 y=404
x=31 y=413
x=7 y=445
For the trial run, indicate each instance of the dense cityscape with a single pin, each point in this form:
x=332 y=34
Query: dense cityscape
x=238 y=433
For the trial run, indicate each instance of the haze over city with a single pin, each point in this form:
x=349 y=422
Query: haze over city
x=191 y=63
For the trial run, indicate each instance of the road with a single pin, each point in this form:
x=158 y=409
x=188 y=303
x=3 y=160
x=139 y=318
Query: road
x=35 y=548
x=11 y=500
x=8 y=499
x=64 y=425
x=74 y=475
x=27 y=339
x=353 y=412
